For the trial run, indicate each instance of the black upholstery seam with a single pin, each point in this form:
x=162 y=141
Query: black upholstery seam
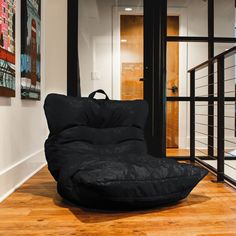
x=147 y=198
x=141 y=180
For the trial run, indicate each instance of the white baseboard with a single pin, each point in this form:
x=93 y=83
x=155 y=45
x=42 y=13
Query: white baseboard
x=14 y=176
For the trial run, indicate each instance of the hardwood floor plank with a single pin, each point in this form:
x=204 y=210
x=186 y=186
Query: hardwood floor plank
x=37 y=209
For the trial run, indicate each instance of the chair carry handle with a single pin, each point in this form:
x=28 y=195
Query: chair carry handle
x=92 y=95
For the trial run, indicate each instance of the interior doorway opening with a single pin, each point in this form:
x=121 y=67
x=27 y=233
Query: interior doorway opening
x=131 y=59
x=172 y=85
x=131 y=64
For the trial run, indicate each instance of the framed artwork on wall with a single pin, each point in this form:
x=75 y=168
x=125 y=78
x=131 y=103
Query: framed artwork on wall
x=7 y=48
x=30 y=49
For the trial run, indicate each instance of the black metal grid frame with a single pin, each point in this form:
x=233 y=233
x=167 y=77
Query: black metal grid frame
x=211 y=40
x=155 y=41
x=73 y=75
x=155 y=30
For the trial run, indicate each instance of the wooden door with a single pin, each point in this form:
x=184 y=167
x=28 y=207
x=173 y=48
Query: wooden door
x=172 y=84
x=132 y=68
x=131 y=28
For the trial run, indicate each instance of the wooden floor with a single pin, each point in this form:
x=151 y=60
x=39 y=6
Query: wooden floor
x=170 y=152
x=36 y=209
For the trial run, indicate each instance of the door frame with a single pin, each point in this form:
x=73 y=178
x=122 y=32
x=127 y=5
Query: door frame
x=116 y=67
x=184 y=138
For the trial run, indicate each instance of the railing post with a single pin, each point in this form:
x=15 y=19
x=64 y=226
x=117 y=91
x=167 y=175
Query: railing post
x=192 y=116
x=221 y=119
x=211 y=79
x=211 y=110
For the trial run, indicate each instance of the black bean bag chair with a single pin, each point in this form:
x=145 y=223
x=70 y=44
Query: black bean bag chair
x=97 y=154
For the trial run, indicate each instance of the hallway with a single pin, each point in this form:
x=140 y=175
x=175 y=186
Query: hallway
x=36 y=209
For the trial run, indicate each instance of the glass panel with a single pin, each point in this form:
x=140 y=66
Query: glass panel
x=222 y=47
x=201 y=134
x=230 y=78
x=180 y=58
x=111 y=47
x=230 y=69
x=131 y=57
x=230 y=137
x=174 y=68
x=192 y=16
x=224 y=18
x=197 y=54
x=177 y=129
x=230 y=118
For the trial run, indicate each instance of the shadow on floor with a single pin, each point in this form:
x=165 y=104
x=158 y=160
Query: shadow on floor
x=47 y=189
x=98 y=216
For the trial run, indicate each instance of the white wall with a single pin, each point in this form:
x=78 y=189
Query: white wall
x=23 y=127
x=96 y=43
x=56 y=46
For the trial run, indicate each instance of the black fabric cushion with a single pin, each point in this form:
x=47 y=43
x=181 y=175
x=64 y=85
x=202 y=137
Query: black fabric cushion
x=97 y=154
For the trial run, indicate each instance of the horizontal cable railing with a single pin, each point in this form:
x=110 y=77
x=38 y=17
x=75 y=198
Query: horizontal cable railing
x=212 y=114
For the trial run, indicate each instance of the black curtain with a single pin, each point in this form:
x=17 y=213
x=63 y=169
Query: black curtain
x=73 y=72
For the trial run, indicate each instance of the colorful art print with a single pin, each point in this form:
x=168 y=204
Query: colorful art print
x=30 y=49
x=7 y=47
